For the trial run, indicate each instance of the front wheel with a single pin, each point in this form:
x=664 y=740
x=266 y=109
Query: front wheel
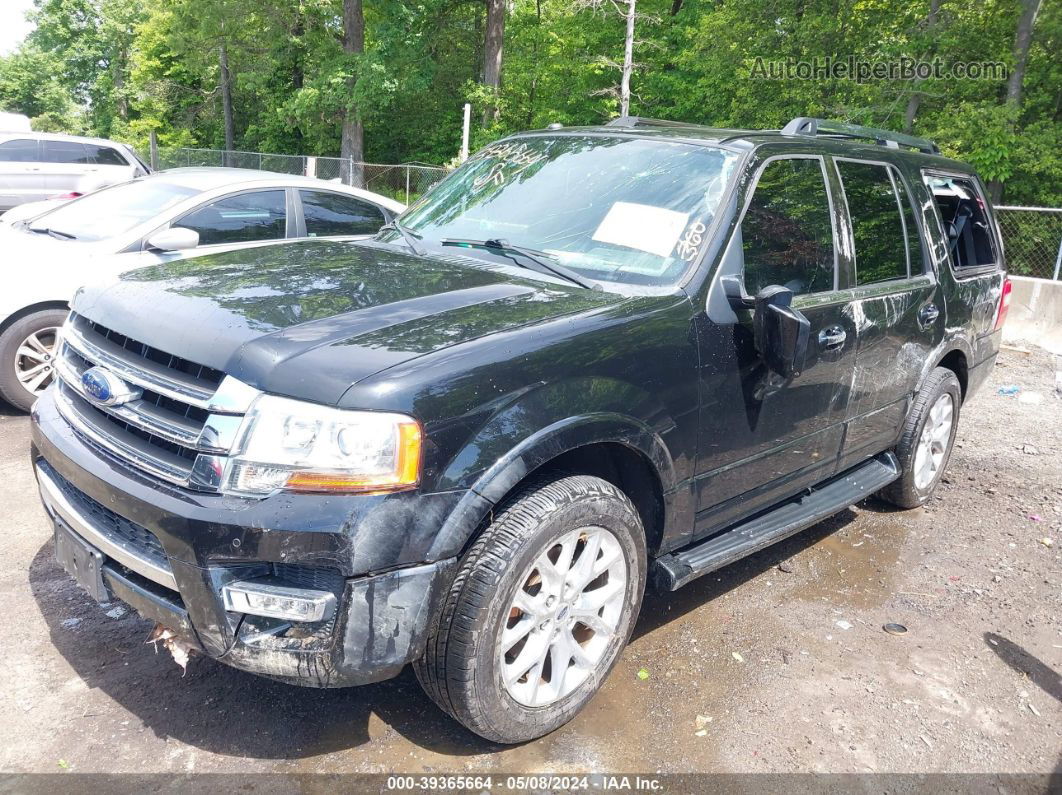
x=27 y=356
x=926 y=441
x=539 y=611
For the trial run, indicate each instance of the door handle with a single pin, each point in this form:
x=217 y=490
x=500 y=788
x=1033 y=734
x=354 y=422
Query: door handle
x=928 y=315
x=832 y=337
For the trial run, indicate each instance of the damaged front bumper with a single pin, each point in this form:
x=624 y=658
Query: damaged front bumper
x=169 y=555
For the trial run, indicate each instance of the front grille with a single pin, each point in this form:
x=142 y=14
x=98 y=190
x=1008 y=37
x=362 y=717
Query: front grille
x=181 y=426
x=139 y=538
x=167 y=360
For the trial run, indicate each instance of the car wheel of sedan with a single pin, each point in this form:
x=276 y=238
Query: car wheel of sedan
x=926 y=441
x=27 y=356
x=539 y=611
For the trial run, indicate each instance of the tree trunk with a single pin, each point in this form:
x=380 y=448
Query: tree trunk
x=226 y=102
x=915 y=100
x=493 y=44
x=628 y=61
x=352 y=143
x=1022 y=42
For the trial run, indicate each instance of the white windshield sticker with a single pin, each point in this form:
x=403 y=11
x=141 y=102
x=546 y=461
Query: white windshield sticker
x=642 y=227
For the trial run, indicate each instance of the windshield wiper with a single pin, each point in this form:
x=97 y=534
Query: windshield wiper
x=43 y=230
x=540 y=258
x=409 y=237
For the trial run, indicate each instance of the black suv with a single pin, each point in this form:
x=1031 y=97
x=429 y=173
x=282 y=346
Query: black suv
x=588 y=359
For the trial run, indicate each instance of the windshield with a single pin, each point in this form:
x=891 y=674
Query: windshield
x=112 y=211
x=611 y=208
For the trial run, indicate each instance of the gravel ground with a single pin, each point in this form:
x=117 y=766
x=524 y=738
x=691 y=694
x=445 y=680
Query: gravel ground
x=778 y=663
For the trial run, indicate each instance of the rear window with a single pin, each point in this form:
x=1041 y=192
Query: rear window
x=965 y=218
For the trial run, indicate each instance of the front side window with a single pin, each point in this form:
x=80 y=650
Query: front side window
x=877 y=228
x=612 y=208
x=962 y=209
x=335 y=214
x=105 y=156
x=64 y=152
x=261 y=215
x=20 y=150
x=787 y=234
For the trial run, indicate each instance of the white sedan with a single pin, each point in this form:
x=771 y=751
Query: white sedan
x=152 y=219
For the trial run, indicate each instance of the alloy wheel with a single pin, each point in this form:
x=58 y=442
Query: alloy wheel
x=933 y=443
x=35 y=360
x=564 y=616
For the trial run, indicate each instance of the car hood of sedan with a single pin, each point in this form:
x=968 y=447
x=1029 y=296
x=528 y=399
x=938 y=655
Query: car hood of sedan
x=309 y=319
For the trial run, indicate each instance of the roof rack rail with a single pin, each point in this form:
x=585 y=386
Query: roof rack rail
x=803 y=125
x=642 y=121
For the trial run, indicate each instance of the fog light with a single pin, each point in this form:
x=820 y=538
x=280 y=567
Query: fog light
x=278 y=601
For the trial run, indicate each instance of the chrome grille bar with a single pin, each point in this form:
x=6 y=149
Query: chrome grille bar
x=142 y=454
x=144 y=373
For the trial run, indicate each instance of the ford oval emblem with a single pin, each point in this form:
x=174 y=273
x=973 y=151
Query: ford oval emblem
x=102 y=386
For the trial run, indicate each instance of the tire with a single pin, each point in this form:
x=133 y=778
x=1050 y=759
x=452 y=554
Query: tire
x=29 y=343
x=918 y=481
x=462 y=670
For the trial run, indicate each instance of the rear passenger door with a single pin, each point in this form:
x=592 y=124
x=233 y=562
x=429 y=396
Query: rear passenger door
x=63 y=163
x=763 y=439
x=894 y=303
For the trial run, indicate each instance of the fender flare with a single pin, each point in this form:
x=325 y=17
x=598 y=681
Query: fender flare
x=537 y=449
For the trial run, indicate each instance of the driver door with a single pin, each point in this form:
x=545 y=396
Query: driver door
x=764 y=438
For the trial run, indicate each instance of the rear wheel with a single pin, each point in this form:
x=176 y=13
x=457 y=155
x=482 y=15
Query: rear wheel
x=27 y=356
x=927 y=439
x=539 y=611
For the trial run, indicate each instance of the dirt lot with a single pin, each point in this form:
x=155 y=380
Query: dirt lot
x=783 y=655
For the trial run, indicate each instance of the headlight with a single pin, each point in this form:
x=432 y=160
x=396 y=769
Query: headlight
x=296 y=446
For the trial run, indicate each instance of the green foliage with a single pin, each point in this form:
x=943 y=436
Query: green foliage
x=124 y=67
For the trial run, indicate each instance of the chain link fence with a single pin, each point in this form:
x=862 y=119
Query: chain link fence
x=404 y=182
x=1032 y=240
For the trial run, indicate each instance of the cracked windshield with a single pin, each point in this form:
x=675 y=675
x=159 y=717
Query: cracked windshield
x=611 y=209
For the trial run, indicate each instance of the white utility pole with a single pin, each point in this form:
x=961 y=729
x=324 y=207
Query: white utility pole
x=464 y=132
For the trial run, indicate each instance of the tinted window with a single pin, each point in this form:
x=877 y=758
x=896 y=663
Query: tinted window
x=786 y=234
x=965 y=221
x=21 y=150
x=64 y=152
x=335 y=214
x=105 y=156
x=914 y=240
x=878 y=233
x=239 y=219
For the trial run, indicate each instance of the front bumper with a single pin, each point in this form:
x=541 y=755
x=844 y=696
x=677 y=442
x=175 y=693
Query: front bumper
x=168 y=552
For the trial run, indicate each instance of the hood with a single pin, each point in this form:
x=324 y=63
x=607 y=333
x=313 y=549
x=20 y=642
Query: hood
x=309 y=319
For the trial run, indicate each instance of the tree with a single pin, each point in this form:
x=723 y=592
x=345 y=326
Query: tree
x=352 y=146
x=493 y=45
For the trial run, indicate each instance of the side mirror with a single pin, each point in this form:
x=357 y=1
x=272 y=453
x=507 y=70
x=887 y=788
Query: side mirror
x=176 y=238
x=780 y=332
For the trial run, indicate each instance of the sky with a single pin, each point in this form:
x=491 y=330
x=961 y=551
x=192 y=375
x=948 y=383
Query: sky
x=13 y=25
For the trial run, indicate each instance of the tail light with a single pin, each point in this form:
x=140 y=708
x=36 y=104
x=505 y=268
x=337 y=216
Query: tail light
x=1004 y=303
x=71 y=195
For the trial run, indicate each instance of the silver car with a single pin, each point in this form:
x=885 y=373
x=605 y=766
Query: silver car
x=155 y=219
x=34 y=166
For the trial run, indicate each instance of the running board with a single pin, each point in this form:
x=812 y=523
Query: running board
x=670 y=572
